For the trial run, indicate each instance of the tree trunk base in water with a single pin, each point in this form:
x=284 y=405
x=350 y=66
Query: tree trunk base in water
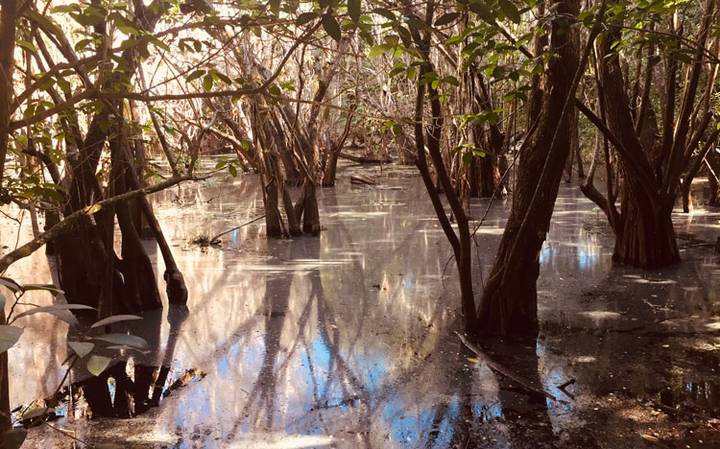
x=646 y=241
x=176 y=290
x=510 y=310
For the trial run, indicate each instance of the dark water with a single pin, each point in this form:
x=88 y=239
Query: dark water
x=347 y=340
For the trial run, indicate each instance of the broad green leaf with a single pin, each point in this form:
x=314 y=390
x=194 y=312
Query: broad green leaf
x=195 y=75
x=306 y=17
x=11 y=284
x=65 y=8
x=126 y=348
x=27 y=46
x=44 y=20
x=446 y=19
x=377 y=50
x=54 y=308
x=115 y=319
x=332 y=28
x=385 y=13
x=207 y=82
x=275 y=7
x=481 y=9
x=82 y=44
x=81 y=348
x=354 y=10
x=510 y=10
x=96 y=364
x=46 y=287
x=9 y=335
x=124 y=340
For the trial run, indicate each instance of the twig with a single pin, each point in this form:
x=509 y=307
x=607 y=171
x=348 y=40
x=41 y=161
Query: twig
x=67 y=434
x=216 y=240
x=67 y=224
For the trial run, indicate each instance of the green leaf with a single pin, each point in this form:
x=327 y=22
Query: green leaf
x=81 y=348
x=82 y=44
x=45 y=287
x=65 y=8
x=124 y=25
x=124 y=340
x=354 y=10
x=91 y=16
x=26 y=45
x=275 y=7
x=510 y=10
x=54 y=308
x=195 y=75
x=446 y=19
x=9 y=335
x=305 y=17
x=96 y=364
x=377 y=51
x=207 y=82
x=385 y=13
x=11 y=284
x=44 y=20
x=396 y=71
x=481 y=9
x=233 y=171
x=332 y=28
x=114 y=319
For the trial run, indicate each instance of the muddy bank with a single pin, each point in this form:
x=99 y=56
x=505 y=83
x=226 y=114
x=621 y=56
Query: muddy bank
x=347 y=340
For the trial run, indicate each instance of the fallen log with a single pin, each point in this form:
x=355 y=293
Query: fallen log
x=365 y=159
x=524 y=383
x=363 y=180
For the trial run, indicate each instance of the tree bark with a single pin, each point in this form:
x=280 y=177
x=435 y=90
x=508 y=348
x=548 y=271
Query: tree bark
x=509 y=302
x=645 y=237
x=8 y=18
x=427 y=141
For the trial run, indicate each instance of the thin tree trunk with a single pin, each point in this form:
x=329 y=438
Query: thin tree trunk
x=8 y=17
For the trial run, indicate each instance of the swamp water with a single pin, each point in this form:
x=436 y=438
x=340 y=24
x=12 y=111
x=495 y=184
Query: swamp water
x=347 y=340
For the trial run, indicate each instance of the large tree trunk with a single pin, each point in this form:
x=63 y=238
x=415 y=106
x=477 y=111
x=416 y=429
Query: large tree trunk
x=311 y=211
x=509 y=302
x=645 y=238
x=273 y=220
x=644 y=233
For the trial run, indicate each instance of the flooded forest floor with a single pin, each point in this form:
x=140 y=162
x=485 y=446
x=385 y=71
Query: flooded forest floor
x=347 y=340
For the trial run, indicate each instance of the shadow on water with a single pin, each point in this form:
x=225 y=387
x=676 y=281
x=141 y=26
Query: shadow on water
x=133 y=383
